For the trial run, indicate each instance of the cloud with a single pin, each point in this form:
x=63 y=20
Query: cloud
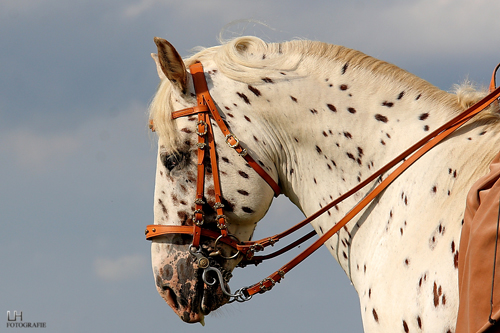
x=119 y=269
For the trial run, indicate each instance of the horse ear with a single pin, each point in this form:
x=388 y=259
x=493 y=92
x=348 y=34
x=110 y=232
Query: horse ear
x=170 y=63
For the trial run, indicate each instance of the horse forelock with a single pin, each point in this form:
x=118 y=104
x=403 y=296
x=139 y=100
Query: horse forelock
x=160 y=112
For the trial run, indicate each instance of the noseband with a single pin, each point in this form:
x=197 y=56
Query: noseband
x=206 y=109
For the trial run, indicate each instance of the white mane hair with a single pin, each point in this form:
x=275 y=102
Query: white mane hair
x=249 y=59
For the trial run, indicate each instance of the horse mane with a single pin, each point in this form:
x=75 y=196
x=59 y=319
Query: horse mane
x=249 y=59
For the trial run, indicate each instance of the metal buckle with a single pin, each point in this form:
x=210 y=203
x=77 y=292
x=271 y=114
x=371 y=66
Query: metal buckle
x=243 y=152
x=201 y=145
x=221 y=225
x=257 y=247
x=228 y=137
x=195 y=220
x=263 y=287
x=201 y=122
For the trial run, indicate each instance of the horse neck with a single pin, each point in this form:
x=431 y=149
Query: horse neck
x=335 y=137
x=339 y=135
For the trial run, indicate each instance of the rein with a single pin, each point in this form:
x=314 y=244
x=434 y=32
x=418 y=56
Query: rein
x=206 y=108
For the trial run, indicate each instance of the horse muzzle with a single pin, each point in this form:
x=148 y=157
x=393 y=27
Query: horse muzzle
x=190 y=293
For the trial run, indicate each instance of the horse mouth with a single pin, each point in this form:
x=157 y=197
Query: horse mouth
x=204 y=308
x=194 y=310
x=212 y=298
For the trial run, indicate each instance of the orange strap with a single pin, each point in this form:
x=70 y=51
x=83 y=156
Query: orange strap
x=202 y=89
x=156 y=230
x=248 y=248
x=493 y=83
x=421 y=147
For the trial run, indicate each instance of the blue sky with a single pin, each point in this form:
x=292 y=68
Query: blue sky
x=77 y=162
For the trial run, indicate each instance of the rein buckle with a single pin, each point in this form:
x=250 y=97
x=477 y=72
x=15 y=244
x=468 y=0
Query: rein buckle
x=235 y=140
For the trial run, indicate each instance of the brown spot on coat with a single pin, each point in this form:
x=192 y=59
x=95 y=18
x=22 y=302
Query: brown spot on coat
x=163 y=208
x=375 y=315
x=423 y=116
x=244 y=97
x=381 y=118
x=254 y=90
x=332 y=107
x=436 y=295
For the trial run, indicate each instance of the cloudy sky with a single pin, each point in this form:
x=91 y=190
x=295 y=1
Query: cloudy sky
x=77 y=161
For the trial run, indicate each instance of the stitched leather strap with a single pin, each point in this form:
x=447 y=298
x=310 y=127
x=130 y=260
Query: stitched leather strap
x=190 y=111
x=248 y=248
x=157 y=230
x=493 y=83
x=423 y=146
x=202 y=89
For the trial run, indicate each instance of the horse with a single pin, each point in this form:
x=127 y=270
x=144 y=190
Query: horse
x=318 y=119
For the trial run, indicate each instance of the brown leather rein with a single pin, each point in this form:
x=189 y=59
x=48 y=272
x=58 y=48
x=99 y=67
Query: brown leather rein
x=206 y=108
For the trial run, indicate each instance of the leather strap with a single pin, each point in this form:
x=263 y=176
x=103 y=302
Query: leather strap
x=423 y=146
x=493 y=83
x=190 y=111
x=157 y=230
x=202 y=90
x=248 y=248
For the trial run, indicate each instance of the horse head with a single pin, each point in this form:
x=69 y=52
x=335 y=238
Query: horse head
x=243 y=195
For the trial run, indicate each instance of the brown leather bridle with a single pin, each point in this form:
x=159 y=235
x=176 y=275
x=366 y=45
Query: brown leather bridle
x=205 y=109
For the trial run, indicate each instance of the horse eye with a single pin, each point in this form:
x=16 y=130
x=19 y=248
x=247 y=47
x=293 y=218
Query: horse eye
x=173 y=160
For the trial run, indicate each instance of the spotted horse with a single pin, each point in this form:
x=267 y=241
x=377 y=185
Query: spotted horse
x=311 y=121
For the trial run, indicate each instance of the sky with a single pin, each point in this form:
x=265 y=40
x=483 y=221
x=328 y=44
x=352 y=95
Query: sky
x=77 y=162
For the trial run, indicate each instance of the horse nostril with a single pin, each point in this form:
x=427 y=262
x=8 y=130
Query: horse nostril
x=169 y=296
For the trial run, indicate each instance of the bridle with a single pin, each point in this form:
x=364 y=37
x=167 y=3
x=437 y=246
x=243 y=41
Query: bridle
x=206 y=109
